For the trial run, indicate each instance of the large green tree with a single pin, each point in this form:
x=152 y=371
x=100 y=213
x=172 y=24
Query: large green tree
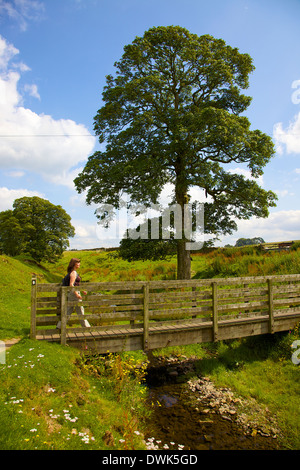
x=173 y=112
x=35 y=226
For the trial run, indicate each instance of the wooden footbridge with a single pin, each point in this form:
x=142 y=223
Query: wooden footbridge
x=147 y=315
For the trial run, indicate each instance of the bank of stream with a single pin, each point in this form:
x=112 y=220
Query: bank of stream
x=190 y=413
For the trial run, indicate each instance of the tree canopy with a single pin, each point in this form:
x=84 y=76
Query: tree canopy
x=173 y=113
x=249 y=241
x=37 y=227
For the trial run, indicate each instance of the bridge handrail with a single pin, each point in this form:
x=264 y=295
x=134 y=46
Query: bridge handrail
x=141 y=302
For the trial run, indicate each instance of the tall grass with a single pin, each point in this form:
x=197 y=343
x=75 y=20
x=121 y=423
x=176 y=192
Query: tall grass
x=247 y=261
x=221 y=262
x=107 y=266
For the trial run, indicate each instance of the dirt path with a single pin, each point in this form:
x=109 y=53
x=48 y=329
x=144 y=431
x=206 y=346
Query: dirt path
x=10 y=342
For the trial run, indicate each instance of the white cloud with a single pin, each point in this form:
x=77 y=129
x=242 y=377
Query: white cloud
x=8 y=196
x=247 y=175
x=279 y=226
x=168 y=191
x=32 y=90
x=86 y=236
x=15 y=174
x=36 y=142
x=21 y=11
x=288 y=138
x=65 y=177
x=82 y=231
x=7 y=52
x=282 y=192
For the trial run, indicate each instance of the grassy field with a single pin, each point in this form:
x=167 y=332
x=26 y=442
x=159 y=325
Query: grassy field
x=51 y=399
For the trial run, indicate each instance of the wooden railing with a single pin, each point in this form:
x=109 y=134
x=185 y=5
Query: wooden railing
x=277 y=246
x=216 y=308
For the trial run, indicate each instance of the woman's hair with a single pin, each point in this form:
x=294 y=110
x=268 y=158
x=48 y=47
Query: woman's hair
x=72 y=264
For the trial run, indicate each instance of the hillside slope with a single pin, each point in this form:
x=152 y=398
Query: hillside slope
x=15 y=282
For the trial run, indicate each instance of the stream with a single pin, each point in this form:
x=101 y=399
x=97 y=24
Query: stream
x=191 y=414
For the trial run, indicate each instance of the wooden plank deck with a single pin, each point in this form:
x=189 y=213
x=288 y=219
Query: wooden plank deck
x=163 y=335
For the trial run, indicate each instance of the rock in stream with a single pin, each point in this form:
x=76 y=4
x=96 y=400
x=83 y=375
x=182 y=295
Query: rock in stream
x=191 y=413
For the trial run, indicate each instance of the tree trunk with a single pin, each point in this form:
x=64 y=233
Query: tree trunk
x=181 y=195
x=183 y=255
x=183 y=261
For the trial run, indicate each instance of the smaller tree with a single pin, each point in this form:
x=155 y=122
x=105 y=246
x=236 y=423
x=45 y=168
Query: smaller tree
x=37 y=227
x=137 y=248
x=249 y=241
x=11 y=234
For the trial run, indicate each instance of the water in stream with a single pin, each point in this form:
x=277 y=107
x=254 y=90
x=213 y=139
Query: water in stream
x=176 y=423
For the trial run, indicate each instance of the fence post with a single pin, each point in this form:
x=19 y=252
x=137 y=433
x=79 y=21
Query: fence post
x=131 y=321
x=271 y=306
x=246 y=292
x=63 y=313
x=215 y=310
x=146 y=316
x=33 y=308
x=58 y=303
x=194 y=300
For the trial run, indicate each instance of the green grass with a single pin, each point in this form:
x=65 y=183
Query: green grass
x=50 y=400
x=100 y=404
x=16 y=274
x=270 y=378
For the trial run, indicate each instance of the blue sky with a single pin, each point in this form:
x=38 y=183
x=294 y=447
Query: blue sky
x=55 y=54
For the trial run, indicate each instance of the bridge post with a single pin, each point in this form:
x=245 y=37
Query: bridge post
x=146 y=316
x=33 y=308
x=194 y=304
x=63 y=313
x=271 y=306
x=215 y=310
